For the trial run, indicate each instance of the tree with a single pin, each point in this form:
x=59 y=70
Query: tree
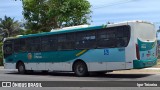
x=158 y=31
x=8 y=27
x=1 y=55
x=44 y=15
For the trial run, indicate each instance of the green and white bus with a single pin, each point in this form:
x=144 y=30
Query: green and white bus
x=105 y=48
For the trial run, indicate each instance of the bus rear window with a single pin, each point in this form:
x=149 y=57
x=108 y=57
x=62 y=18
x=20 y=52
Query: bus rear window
x=146 y=32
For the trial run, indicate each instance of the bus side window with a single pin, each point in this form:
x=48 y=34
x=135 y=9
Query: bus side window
x=28 y=45
x=66 y=41
x=34 y=44
x=53 y=42
x=122 y=35
x=19 y=45
x=85 y=40
x=61 y=41
x=16 y=45
x=106 y=38
x=90 y=39
x=22 y=45
x=45 y=43
x=70 y=41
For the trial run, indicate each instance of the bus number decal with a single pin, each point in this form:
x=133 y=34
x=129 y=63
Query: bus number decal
x=106 y=52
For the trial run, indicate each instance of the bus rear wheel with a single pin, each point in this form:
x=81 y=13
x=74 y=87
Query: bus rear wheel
x=21 y=68
x=80 y=69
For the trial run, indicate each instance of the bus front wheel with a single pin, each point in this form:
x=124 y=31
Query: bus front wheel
x=80 y=69
x=21 y=68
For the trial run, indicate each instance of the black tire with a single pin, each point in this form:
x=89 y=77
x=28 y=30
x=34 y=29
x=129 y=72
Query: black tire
x=80 y=69
x=21 y=68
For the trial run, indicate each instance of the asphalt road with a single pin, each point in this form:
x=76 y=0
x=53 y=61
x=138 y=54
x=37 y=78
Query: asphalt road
x=12 y=75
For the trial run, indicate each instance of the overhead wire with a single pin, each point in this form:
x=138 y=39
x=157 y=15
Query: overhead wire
x=114 y=3
x=117 y=3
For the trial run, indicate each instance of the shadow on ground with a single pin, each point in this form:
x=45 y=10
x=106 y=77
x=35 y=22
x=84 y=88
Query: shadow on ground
x=69 y=74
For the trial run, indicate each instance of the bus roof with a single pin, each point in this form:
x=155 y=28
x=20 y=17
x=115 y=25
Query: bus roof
x=60 y=31
x=67 y=30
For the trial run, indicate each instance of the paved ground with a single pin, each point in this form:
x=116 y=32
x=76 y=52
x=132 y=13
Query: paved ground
x=12 y=75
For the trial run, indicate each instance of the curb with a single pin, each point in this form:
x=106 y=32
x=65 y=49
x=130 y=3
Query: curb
x=152 y=68
x=1 y=67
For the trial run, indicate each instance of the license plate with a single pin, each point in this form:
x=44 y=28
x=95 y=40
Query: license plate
x=149 y=63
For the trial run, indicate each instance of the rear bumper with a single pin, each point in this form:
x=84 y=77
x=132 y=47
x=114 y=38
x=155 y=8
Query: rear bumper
x=138 y=64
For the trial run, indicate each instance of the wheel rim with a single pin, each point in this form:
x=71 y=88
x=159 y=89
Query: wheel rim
x=21 y=68
x=80 y=69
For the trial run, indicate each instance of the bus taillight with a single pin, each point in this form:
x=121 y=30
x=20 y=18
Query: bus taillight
x=137 y=52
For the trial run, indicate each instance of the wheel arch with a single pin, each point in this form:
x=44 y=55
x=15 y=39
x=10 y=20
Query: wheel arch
x=19 y=61
x=79 y=60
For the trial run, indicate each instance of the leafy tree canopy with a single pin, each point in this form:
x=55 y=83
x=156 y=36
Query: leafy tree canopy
x=44 y=15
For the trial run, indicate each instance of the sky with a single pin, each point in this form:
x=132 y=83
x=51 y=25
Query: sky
x=11 y=8
x=102 y=10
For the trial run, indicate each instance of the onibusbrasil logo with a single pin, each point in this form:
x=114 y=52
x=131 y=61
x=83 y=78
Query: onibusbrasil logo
x=21 y=84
